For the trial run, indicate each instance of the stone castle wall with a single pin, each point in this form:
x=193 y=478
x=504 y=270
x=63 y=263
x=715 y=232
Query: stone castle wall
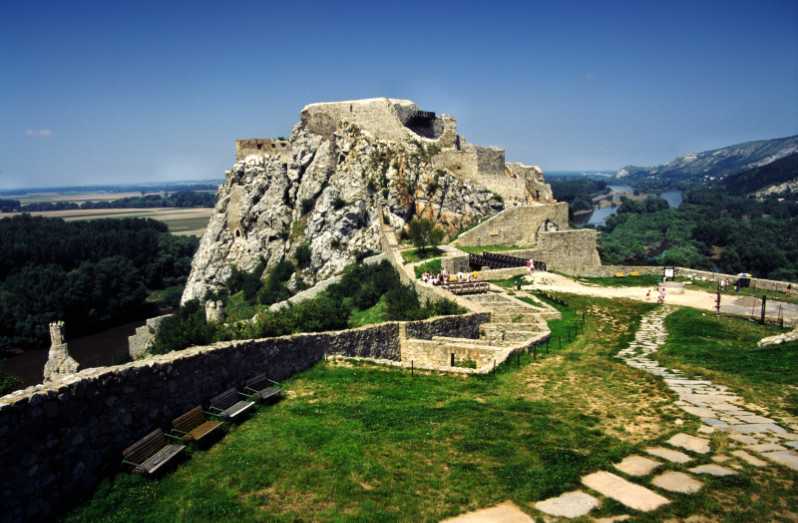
x=276 y=146
x=517 y=225
x=60 y=439
x=686 y=272
x=570 y=250
x=382 y=117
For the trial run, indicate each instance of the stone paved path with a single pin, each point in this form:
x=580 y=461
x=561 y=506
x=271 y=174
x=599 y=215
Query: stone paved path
x=718 y=408
x=755 y=440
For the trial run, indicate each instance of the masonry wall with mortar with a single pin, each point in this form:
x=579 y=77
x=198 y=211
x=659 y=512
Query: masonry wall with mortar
x=60 y=439
x=517 y=226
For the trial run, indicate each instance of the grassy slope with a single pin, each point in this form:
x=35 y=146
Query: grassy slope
x=364 y=443
x=724 y=349
x=415 y=255
x=374 y=314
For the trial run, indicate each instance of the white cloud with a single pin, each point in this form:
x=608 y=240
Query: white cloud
x=39 y=133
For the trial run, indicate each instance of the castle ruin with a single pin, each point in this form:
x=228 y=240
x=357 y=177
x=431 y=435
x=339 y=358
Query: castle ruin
x=326 y=186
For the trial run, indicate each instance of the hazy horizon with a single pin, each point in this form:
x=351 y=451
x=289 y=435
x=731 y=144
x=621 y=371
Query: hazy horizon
x=121 y=94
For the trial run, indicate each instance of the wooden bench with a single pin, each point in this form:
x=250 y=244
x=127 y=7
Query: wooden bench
x=261 y=388
x=150 y=453
x=194 y=425
x=229 y=406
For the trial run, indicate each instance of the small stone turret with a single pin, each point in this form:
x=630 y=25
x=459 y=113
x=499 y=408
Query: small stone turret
x=59 y=363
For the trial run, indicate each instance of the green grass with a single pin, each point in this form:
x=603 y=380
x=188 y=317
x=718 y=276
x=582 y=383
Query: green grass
x=724 y=349
x=374 y=314
x=431 y=266
x=237 y=308
x=355 y=442
x=489 y=248
x=644 y=280
x=416 y=255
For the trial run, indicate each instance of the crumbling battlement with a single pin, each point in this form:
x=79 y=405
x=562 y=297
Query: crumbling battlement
x=248 y=146
x=394 y=119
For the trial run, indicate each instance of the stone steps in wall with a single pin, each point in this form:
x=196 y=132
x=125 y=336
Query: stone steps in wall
x=481 y=342
x=528 y=317
x=456 y=343
x=524 y=326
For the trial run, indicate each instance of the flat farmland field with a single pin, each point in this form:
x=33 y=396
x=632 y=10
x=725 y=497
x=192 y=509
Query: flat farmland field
x=76 y=197
x=186 y=222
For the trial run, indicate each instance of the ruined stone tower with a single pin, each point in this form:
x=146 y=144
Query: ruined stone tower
x=59 y=362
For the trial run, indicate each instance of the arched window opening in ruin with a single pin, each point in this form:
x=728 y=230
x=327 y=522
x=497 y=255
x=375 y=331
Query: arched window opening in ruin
x=238 y=233
x=423 y=124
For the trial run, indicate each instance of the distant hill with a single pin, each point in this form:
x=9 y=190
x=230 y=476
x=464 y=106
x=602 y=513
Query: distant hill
x=774 y=178
x=712 y=166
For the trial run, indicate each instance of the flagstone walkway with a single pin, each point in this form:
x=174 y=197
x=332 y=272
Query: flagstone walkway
x=754 y=439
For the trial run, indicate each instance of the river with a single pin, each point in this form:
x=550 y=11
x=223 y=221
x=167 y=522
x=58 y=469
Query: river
x=108 y=347
x=600 y=215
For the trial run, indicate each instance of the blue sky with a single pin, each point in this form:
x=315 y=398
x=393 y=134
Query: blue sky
x=118 y=92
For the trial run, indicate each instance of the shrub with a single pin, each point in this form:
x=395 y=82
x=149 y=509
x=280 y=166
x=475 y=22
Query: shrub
x=274 y=289
x=423 y=233
x=185 y=329
x=303 y=255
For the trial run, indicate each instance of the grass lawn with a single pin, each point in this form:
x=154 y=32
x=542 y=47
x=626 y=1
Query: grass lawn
x=489 y=248
x=367 y=443
x=416 y=255
x=374 y=314
x=431 y=266
x=724 y=349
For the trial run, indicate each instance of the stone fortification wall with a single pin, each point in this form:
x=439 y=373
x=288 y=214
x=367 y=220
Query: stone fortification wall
x=60 y=439
x=275 y=146
x=532 y=176
x=390 y=248
x=452 y=326
x=685 y=272
x=382 y=117
x=140 y=342
x=570 y=250
x=517 y=225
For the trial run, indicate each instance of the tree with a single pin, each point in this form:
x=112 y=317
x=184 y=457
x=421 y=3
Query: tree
x=423 y=233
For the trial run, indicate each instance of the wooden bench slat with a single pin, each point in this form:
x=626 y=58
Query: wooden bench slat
x=160 y=458
x=236 y=409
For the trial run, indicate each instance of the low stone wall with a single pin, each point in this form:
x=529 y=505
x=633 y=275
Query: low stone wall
x=685 y=272
x=60 y=439
x=466 y=326
x=390 y=249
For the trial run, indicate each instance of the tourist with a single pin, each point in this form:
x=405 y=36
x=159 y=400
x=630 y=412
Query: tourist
x=530 y=264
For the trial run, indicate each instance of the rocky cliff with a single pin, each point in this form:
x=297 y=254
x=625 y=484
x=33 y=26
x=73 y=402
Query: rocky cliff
x=325 y=187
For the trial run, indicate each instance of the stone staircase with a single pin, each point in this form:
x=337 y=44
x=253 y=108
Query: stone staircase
x=514 y=326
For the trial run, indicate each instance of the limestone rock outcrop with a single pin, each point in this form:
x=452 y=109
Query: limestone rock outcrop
x=779 y=339
x=326 y=186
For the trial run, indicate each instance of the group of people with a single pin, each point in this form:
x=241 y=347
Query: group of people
x=661 y=294
x=444 y=277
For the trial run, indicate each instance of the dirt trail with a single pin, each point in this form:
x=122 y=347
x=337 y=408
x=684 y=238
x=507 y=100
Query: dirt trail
x=742 y=305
